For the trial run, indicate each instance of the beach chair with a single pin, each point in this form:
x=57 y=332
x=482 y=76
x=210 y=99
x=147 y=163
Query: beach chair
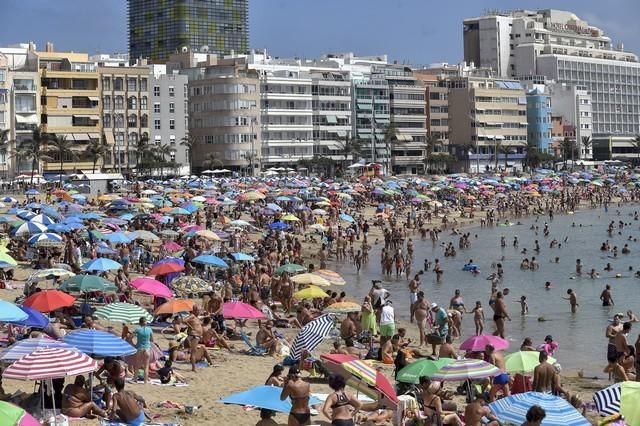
x=253 y=350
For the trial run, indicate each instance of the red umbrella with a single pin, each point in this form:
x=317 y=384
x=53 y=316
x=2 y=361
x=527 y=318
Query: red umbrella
x=370 y=376
x=333 y=362
x=172 y=246
x=49 y=300
x=479 y=343
x=165 y=268
x=153 y=287
x=50 y=363
x=239 y=310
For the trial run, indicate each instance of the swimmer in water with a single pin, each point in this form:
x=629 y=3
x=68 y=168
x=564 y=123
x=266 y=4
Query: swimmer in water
x=524 y=307
x=547 y=285
x=593 y=274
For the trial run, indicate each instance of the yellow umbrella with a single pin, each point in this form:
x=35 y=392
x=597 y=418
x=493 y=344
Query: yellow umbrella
x=331 y=276
x=209 y=235
x=342 y=307
x=5 y=258
x=310 y=279
x=290 y=217
x=311 y=292
x=106 y=197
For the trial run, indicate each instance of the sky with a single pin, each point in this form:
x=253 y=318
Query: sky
x=411 y=31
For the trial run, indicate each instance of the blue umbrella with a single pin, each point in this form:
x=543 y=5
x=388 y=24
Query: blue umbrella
x=101 y=264
x=25 y=214
x=126 y=216
x=8 y=200
x=190 y=207
x=31 y=192
x=274 y=207
x=209 y=259
x=98 y=343
x=513 y=409
x=27 y=346
x=34 y=319
x=10 y=312
x=267 y=397
x=105 y=250
x=243 y=257
x=347 y=217
x=91 y=215
x=29 y=228
x=42 y=218
x=43 y=236
x=117 y=238
x=5 y=219
x=59 y=227
x=278 y=225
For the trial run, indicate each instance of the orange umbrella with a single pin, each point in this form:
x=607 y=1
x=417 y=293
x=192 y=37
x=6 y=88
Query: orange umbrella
x=174 y=306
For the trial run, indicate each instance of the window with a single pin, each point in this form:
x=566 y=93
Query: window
x=172 y=107
x=144 y=120
x=106 y=102
x=133 y=138
x=106 y=83
x=106 y=120
x=156 y=107
x=132 y=83
x=132 y=120
x=133 y=102
x=119 y=102
x=119 y=138
x=156 y=124
x=119 y=120
x=143 y=84
x=117 y=83
x=143 y=102
x=156 y=90
x=172 y=91
x=172 y=139
x=172 y=124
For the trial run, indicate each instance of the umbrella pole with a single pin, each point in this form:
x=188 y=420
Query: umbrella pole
x=53 y=400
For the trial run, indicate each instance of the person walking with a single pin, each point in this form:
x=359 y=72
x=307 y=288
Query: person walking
x=144 y=337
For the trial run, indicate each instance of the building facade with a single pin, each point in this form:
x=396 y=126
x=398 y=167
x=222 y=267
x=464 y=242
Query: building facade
x=565 y=48
x=539 y=120
x=372 y=115
x=574 y=105
x=159 y=28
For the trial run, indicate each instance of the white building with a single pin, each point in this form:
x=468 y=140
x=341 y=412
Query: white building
x=562 y=47
x=575 y=106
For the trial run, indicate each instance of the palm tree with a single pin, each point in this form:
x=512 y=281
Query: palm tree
x=506 y=150
x=190 y=142
x=390 y=137
x=586 y=143
x=466 y=147
x=141 y=149
x=432 y=145
x=568 y=146
x=95 y=151
x=33 y=149
x=60 y=146
x=349 y=147
x=636 y=144
x=162 y=152
x=212 y=160
x=250 y=157
x=497 y=148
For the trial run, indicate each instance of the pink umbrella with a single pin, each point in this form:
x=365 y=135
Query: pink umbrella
x=479 y=343
x=50 y=364
x=172 y=246
x=239 y=310
x=151 y=286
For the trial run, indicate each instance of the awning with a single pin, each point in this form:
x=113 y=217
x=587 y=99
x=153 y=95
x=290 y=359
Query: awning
x=81 y=136
x=341 y=134
x=94 y=117
x=109 y=137
x=67 y=136
x=94 y=98
x=28 y=118
x=94 y=135
x=343 y=117
x=331 y=119
x=81 y=116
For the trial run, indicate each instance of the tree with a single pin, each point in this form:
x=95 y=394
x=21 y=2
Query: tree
x=95 y=151
x=142 y=149
x=636 y=144
x=212 y=160
x=33 y=149
x=432 y=145
x=349 y=147
x=161 y=154
x=506 y=150
x=61 y=147
x=568 y=147
x=250 y=157
x=325 y=164
x=586 y=143
x=390 y=137
x=189 y=142
x=466 y=147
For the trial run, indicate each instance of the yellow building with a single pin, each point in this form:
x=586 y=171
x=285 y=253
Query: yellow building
x=70 y=104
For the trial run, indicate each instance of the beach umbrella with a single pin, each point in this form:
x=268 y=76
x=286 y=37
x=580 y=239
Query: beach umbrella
x=347 y=218
x=278 y=226
x=174 y=306
x=310 y=279
x=32 y=192
x=34 y=319
x=264 y=397
x=311 y=292
x=422 y=367
x=30 y=228
x=463 y=369
x=151 y=286
x=251 y=196
x=240 y=222
x=208 y=234
x=26 y=346
x=291 y=268
x=87 y=283
x=559 y=412
x=342 y=308
x=179 y=211
x=630 y=402
x=44 y=236
x=49 y=300
x=8 y=200
x=98 y=343
x=122 y=312
x=190 y=284
x=117 y=238
x=372 y=377
x=43 y=219
x=143 y=235
x=479 y=343
x=523 y=361
x=6 y=259
x=50 y=273
x=290 y=218
x=209 y=259
x=311 y=335
x=608 y=400
x=12 y=415
x=165 y=268
x=50 y=363
x=242 y=257
x=333 y=277
x=101 y=264
x=169 y=233
x=172 y=246
x=10 y=312
x=240 y=310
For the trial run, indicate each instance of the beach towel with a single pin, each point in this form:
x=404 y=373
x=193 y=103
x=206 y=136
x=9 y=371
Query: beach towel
x=156 y=382
x=104 y=422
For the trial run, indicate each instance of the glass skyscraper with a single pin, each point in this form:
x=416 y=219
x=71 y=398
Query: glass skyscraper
x=158 y=28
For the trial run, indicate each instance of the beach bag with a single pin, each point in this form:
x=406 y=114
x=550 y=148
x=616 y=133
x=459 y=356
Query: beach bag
x=374 y=353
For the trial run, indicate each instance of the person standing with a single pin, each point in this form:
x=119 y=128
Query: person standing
x=338 y=406
x=368 y=318
x=606 y=296
x=298 y=390
x=500 y=314
x=144 y=337
x=414 y=285
x=440 y=326
x=573 y=300
x=387 y=322
x=544 y=375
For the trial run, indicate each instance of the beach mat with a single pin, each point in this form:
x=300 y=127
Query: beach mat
x=156 y=382
x=105 y=422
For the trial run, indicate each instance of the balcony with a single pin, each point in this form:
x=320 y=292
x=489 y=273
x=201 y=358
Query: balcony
x=25 y=88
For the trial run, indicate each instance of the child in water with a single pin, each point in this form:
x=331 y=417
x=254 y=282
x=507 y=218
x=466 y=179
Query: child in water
x=478 y=317
x=524 y=307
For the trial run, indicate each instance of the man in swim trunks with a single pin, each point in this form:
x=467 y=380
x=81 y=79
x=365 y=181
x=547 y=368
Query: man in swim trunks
x=606 y=297
x=127 y=406
x=194 y=333
x=544 y=375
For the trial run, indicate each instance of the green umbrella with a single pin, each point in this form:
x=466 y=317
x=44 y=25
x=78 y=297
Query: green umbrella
x=10 y=414
x=122 y=312
x=87 y=283
x=523 y=361
x=291 y=268
x=424 y=367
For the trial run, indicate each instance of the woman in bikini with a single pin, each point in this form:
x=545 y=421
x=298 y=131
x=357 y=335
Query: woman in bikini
x=298 y=390
x=340 y=405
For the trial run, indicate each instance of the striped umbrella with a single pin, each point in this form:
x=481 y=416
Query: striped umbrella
x=27 y=346
x=30 y=228
x=513 y=409
x=122 y=312
x=43 y=219
x=44 y=236
x=463 y=369
x=608 y=400
x=50 y=364
x=98 y=343
x=368 y=374
x=333 y=277
x=190 y=284
x=311 y=335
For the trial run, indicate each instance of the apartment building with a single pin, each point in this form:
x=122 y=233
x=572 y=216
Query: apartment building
x=574 y=104
x=372 y=115
x=565 y=48
x=331 y=114
x=487 y=121
x=70 y=104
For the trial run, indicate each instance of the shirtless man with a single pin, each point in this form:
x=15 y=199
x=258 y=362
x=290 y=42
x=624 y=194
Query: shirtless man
x=214 y=309
x=304 y=315
x=606 y=297
x=194 y=333
x=500 y=314
x=500 y=382
x=612 y=330
x=266 y=339
x=476 y=411
x=573 y=300
x=544 y=375
x=447 y=350
x=620 y=340
x=348 y=327
x=298 y=390
x=126 y=406
x=414 y=284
